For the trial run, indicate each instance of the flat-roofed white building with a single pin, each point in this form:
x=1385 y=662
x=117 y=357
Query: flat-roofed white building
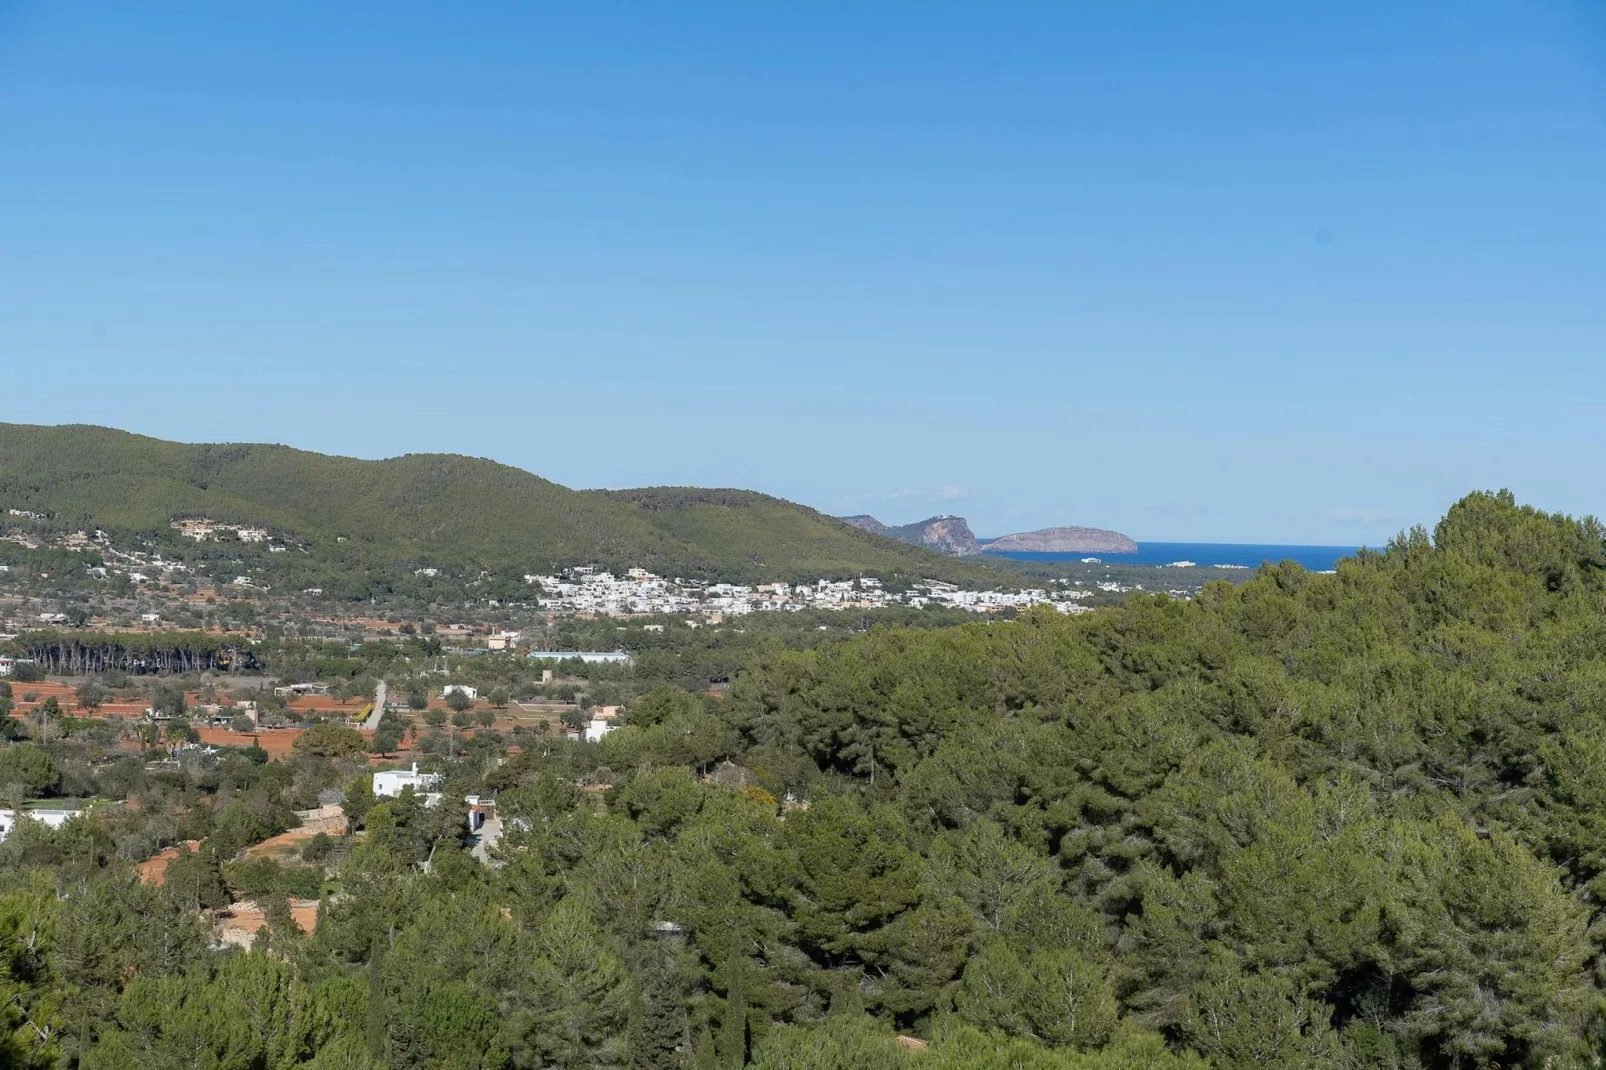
x=392 y=782
x=54 y=816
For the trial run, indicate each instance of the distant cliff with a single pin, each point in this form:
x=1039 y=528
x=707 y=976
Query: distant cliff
x=1063 y=541
x=945 y=534
x=952 y=535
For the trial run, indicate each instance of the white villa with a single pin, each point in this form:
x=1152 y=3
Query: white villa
x=392 y=782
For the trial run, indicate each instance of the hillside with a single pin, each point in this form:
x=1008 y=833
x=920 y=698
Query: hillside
x=438 y=509
x=1343 y=821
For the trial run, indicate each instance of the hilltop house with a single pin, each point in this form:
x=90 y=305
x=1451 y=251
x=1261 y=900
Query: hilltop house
x=390 y=783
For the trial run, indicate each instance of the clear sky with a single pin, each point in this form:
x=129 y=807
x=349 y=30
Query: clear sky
x=1251 y=271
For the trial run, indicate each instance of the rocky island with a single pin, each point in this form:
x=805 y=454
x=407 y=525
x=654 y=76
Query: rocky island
x=1069 y=540
x=952 y=535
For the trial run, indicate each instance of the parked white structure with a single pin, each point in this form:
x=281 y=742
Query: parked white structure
x=460 y=689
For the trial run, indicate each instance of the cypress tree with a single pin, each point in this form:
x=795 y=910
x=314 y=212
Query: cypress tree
x=706 y=1054
x=655 y=1027
x=733 y=1027
x=378 y=1016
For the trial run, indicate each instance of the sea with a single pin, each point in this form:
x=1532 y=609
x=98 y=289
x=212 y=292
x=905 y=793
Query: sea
x=1232 y=554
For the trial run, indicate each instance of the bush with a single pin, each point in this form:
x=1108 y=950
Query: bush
x=183 y=732
x=386 y=740
x=30 y=769
x=317 y=848
x=26 y=672
x=263 y=877
x=330 y=741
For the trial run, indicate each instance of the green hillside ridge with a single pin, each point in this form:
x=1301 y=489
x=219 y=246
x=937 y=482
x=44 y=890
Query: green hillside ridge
x=441 y=509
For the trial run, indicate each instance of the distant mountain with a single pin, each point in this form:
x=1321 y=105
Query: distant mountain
x=865 y=522
x=1072 y=540
x=952 y=535
x=945 y=534
x=436 y=510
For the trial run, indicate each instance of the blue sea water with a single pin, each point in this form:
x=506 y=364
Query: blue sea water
x=1251 y=555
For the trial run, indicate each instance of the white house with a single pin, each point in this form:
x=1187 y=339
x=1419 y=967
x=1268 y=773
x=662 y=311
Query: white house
x=597 y=728
x=480 y=808
x=55 y=817
x=301 y=689
x=461 y=689
x=7 y=665
x=391 y=783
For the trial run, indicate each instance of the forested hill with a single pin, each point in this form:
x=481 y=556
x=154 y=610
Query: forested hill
x=438 y=509
x=1355 y=820
x=1310 y=822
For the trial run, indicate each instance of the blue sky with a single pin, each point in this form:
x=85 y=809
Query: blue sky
x=1241 y=272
